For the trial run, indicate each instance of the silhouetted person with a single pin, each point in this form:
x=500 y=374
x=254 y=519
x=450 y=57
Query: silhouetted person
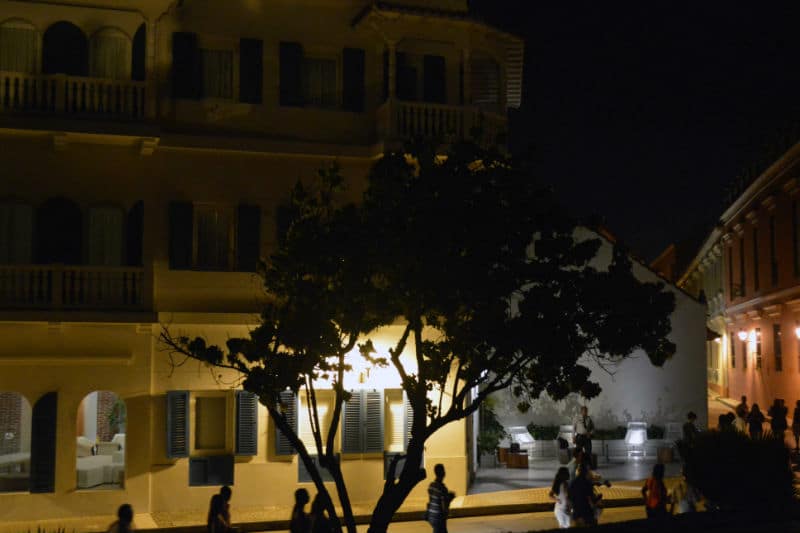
x=582 y=498
x=124 y=521
x=439 y=499
x=226 y=494
x=741 y=409
x=319 y=521
x=300 y=522
x=796 y=426
x=216 y=522
x=654 y=493
x=725 y=422
x=584 y=427
x=689 y=428
x=777 y=413
x=755 y=422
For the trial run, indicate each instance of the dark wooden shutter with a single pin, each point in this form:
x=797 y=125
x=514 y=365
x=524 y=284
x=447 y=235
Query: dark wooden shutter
x=352 y=439
x=178 y=423
x=373 y=421
x=408 y=421
x=134 y=230
x=434 y=76
x=186 y=68
x=43 y=444
x=282 y=445
x=353 y=75
x=251 y=70
x=213 y=470
x=291 y=74
x=180 y=235
x=138 y=52
x=248 y=237
x=246 y=423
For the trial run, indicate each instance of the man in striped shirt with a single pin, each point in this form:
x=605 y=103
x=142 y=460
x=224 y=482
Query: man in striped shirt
x=439 y=499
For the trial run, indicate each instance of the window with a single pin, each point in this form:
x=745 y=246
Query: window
x=110 y=55
x=758 y=348
x=741 y=267
x=16 y=233
x=217 y=71
x=213 y=238
x=100 y=444
x=773 y=257
x=319 y=82
x=744 y=355
x=776 y=347
x=105 y=236
x=19 y=47
x=15 y=442
x=362 y=422
x=733 y=349
x=755 y=259
x=325 y=413
x=209 y=431
x=395 y=441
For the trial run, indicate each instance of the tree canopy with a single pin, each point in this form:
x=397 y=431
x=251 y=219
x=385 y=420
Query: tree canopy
x=480 y=267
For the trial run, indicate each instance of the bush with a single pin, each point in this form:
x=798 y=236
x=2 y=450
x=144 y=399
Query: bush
x=543 y=432
x=655 y=432
x=734 y=471
x=617 y=433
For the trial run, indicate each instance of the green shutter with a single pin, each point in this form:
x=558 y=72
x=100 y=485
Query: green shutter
x=180 y=235
x=352 y=436
x=289 y=405
x=177 y=424
x=353 y=79
x=246 y=423
x=291 y=74
x=248 y=237
x=373 y=421
x=251 y=70
x=43 y=444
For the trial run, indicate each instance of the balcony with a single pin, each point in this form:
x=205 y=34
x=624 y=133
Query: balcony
x=62 y=287
x=74 y=96
x=399 y=120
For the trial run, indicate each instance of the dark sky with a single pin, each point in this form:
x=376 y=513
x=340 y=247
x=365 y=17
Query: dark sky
x=642 y=113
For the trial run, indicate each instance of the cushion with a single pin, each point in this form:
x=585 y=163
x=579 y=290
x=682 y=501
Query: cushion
x=84 y=447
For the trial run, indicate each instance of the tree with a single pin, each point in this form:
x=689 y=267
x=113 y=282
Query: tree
x=489 y=281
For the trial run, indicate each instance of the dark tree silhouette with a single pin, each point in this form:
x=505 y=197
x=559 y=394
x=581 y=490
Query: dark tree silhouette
x=476 y=261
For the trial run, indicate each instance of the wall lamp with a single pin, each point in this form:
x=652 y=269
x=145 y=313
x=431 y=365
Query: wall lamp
x=743 y=335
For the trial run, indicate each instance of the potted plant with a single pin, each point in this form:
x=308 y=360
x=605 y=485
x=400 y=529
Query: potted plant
x=490 y=434
x=117 y=418
x=542 y=435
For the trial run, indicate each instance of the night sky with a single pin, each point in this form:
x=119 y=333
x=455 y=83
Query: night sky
x=644 y=114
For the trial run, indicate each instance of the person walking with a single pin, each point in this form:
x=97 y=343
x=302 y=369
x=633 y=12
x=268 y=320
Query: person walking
x=216 y=522
x=689 y=428
x=226 y=493
x=582 y=499
x=124 y=521
x=796 y=426
x=654 y=493
x=299 y=522
x=439 y=499
x=741 y=409
x=584 y=427
x=755 y=422
x=777 y=413
x=559 y=494
x=319 y=522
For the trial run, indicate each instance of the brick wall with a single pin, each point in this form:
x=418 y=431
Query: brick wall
x=105 y=403
x=10 y=422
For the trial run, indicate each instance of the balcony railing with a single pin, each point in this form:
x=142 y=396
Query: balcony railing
x=399 y=120
x=71 y=287
x=71 y=95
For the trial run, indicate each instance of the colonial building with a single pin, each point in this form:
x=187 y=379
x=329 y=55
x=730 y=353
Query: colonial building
x=748 y=271
x=146 y=146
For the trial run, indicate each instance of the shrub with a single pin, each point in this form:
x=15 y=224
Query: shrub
x=655 y=432
x=492 y=431
x=734 y=471
x=543 y=432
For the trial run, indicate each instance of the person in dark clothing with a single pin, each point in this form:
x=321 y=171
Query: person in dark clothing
x=796 y=426
x=654 y=493
x=439 y=499
x=226 y=494
x=689 y=428
x=777 y=413
x=319 y=521
x=300 y=522
x=755 y=422
x=583 y=500
x=124 y=522
x=216 y=522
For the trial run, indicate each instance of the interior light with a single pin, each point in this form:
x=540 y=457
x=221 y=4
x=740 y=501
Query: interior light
x=743 y=335
x=797 y=332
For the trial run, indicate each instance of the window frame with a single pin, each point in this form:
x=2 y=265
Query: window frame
x=23 y=24
x=197 y=209
x=321 y=54
x=216 y=44
x=229 y=424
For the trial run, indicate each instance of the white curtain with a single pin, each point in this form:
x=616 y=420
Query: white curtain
x=105 y=236
x=319 y=82
x=110 y=56
x=18 y=47
x=16 y=235
x=217 y=73
x=214 y=238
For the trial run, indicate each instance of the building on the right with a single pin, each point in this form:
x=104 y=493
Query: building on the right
x=748 y=273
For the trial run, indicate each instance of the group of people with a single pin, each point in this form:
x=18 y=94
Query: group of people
x=750 y=420
x=316 y=521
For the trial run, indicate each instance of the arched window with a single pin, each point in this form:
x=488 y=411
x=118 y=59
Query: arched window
x=138 y=54
x=19 y=46
x=100 y=441
x=105 y=236
x=59 y=232
x=15 y=442
x=485 y=82
x=16 y=233
x=65 y=50
x=110 y=55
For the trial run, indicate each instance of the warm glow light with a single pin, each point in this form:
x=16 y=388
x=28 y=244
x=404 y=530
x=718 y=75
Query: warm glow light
x=797 y=332
x=717 y=340
x=742 y=335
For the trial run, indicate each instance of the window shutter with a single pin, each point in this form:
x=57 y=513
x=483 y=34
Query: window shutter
x=351 y=424
x=177 y=424
x=353 y=75
x=291 y=74
x=180 y=235
x=373 y=421
x=405 y=78
x=434 y=75
x=248 y=238
x=134 y=234
x=251 y=70
x=282 y=444
x=246 y=423
x=43 y=444
x=186 y=67
x=408 y=421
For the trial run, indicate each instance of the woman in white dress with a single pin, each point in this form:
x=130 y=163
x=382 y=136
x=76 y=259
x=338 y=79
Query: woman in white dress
x=558 y=493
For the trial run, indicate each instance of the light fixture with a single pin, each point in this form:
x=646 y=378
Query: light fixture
x=742 y=335
x=717 y=340
x=797 y=332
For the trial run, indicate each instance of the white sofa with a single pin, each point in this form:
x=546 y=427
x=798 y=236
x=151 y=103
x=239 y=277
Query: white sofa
x=107 y=467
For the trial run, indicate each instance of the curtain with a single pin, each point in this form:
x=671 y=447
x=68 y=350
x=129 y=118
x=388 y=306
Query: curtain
x=485 y=83
x=319 y=82
x=217 y=73
x=110 y=57
x=16 y=235
x=18 y=49
x=214 y=238
x=105 y=236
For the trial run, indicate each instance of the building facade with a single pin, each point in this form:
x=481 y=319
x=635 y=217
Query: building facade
x=146 y=148
x=748 y=271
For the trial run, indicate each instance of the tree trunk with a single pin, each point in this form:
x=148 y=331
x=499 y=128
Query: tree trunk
x=344 y=498
x=394 y=494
